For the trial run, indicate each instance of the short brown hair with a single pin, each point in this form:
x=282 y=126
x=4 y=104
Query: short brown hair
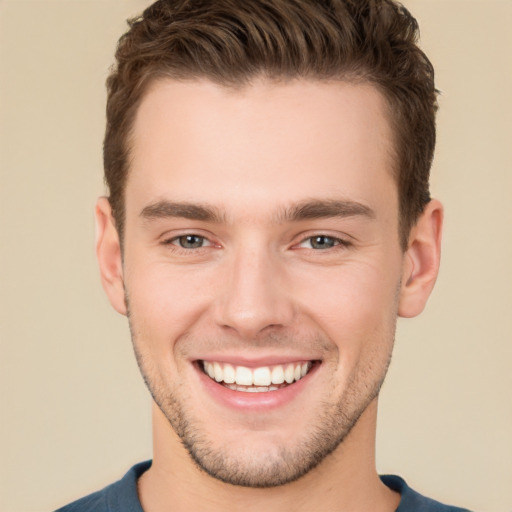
x=232 y=42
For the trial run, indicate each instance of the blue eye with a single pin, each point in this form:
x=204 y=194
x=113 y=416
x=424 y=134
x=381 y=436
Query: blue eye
x=190 y=241
x=322 y=242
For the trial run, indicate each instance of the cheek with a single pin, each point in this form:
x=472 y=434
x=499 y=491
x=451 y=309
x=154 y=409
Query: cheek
x=355 y=306
x=357 y=313
x=165 y=302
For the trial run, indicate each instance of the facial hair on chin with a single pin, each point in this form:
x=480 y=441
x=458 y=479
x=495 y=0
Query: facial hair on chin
x=268 y=470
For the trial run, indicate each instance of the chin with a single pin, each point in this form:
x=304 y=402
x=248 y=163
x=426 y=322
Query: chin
x=262 y=458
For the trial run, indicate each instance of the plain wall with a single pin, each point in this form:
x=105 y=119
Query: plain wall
x=74 y=411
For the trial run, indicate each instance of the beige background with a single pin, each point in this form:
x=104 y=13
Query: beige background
x=74 y=411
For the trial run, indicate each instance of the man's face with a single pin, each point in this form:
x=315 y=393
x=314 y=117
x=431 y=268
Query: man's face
x=262 y=244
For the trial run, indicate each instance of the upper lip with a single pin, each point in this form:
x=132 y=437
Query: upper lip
x=254 y=362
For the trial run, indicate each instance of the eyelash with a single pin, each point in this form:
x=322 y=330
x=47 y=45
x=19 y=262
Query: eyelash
x=175 y=241
x=336 y=242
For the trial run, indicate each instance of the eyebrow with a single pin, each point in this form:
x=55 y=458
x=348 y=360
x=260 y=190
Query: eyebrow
x=323 y=209
x=168 y=209
x=304 y=210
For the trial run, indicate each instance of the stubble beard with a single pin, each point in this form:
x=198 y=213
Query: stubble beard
x=284 y=466
x=280 y=468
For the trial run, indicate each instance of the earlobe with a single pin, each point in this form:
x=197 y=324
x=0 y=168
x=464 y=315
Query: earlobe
x=108 y=252
x=421 y=261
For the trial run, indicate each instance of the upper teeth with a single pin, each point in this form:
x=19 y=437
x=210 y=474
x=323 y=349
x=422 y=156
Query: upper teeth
x=262 y=376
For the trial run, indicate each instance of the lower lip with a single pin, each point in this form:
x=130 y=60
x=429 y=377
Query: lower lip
x=260 y=401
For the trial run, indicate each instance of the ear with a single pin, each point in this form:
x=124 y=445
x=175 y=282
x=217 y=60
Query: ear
x=421 y=261
x=108 y=252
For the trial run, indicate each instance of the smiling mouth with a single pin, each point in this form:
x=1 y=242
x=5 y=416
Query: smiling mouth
x=256 y=380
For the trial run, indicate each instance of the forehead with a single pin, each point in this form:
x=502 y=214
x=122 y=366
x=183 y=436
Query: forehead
x=266 y=143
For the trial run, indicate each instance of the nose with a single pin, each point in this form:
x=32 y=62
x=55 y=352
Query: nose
x=253 y=294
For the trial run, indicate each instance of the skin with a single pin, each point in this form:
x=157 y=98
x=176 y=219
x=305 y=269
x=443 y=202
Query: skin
x=258 y=288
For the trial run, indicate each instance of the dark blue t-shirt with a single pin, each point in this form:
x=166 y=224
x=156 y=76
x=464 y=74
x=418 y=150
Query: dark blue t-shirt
x=122 y=496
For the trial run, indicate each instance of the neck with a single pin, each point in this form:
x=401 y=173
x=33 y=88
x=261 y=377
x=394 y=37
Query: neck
x=346 y=480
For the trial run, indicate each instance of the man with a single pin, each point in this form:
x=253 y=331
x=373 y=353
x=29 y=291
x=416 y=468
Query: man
x=269 y=218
